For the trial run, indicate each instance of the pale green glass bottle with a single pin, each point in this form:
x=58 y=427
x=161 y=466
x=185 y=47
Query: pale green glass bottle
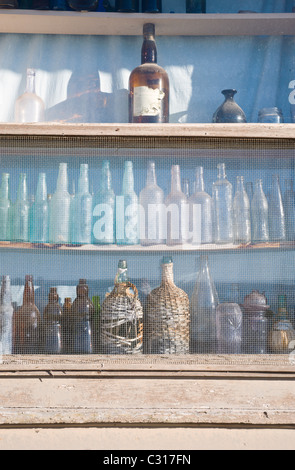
x=127 y=223
x=4 y=208
x=39 y=213
x=20 y=212
x=82 y=213
x=59 y=223
x=104 y=209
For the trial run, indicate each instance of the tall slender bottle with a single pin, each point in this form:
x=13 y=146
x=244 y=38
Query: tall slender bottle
x=222 y=207
x=151 y=200
x=82 y=213
x=60 y=203
x=4 y=208
x=148 y=84
x=26 y=322
x=104 y=209
x=20 y=212
x=259 y=214
x=29 y=107
x=177 y=211
x=52 y=324
x=200 y=205
x=67 y=327
x=127 y=219
x=289 y=208
x=241 y=214
x=277 y=226
x=6 y=314
x=203 y=304
x=82 y=313
x=39 y=220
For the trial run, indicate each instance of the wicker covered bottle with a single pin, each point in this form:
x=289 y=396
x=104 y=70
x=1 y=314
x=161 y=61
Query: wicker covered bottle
x=121 y=317
x=166 y=316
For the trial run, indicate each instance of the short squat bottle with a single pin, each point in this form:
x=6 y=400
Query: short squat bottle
x=5 y=205
x=229 y=111
x=241 y=214
x=177 y=208
x=200 y=205
x=149 y=85
x=52 y=324
x=127 y=220
x=104 y=209
x=39 y=219
x=259 y=214
x=82 y=209
x=277 y=225
x=29 y=107
x=222 y=207
x=82 y=313
x=60 y=203
x=20 y=212
x=6 y=314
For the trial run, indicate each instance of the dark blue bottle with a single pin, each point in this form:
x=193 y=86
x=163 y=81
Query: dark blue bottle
x=196 y=6
x=151 y=6
x=82 y=313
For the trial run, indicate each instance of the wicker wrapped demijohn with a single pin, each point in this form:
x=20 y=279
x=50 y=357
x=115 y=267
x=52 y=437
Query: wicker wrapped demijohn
x=121 y=317
x=166 y=316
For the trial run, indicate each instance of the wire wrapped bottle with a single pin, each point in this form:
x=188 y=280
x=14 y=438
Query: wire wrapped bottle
x=166 y=316
x=121 y=317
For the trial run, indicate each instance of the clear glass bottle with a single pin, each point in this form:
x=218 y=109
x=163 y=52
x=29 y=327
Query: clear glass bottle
x=282 y=335
x=149 y=84
x=127 y=6
x=259 y=214
x=52 y=324
x=104 y=224
x=82 y=313
x=277 y=225
x=241 y=214
x=201 y=211
x=229 y=111
x=151 y=200
x=27 y=322
x=203 y=304
x=270 y=115
x=289 y=209
x=60 y=204
x=67 y=327
x=127 y=218
x=29 y=107
x=20 y=212
x=6 y=314
x=39 y=220
x=229 y=328
x=151 y=6
x=5 y=205
x=177 y=211
x=196 y=6
x=222 y=207
x=82 y=209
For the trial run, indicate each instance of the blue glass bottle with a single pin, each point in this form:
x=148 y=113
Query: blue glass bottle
x=104 y=209
x=82 y=209
x=20 y=212
x=127 y=224
x=39 y=217
x=82 y=313
x=4 y=208
x=60 y=203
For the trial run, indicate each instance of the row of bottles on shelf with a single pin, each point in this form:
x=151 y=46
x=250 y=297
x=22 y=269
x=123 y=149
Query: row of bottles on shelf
x=242 y=216
x=167 y=322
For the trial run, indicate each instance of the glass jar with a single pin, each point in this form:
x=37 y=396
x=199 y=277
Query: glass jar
x=256 y=324
x=270 y=115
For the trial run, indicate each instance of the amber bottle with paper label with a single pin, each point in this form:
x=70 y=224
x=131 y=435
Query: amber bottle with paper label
x=149 y=84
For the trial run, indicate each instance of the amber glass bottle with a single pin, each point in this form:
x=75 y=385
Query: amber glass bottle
x=67 y=326
x=26 y=322
x=82 y=313
x=52 y=317
x=149 y=84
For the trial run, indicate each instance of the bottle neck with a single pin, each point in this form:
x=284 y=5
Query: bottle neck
x=200 y=187
x=22 y=192
x=4 y=190
x=175 y=179
x=258 y=187
x=5 y=294
x=122 y=273
x=29 y=295
x=149 y=50
x=41 y=193
x=62 y=180
x=167 y=273
x=128 y=179
x=221 y=171
x=82 y=289
x=30 y=87
x=106 y=177
x=151 y=179
x=240 y=184
x=83 y=183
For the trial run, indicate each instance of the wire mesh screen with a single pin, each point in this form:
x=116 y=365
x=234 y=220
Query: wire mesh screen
x=142 y=247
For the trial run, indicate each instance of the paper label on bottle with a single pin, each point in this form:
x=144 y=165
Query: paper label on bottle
x=147 y=101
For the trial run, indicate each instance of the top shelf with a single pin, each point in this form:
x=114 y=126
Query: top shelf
x=120 y=24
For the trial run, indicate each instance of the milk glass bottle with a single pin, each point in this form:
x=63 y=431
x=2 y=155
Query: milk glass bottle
x=6 y=313
x=277 y=226
x=39 y=219
x=200 y=205
x=241 y=214
x=59 y=226
x=82 y=213
x=4 y=208
x=104 y=209
x=259 y=214
x=222 y=207
x=289 y=208
x=20 y=212
x=127 y=220
x=151 y=200
x=177 y=208
x=29 y=107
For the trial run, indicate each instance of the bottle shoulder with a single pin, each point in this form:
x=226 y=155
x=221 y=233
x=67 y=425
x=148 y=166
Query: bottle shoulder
x=148 y=68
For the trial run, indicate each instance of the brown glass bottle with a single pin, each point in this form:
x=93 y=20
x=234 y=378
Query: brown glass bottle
x=82 y=312
x=51 y=324
x=148 y=84
x=26 y=322
x=67 y=327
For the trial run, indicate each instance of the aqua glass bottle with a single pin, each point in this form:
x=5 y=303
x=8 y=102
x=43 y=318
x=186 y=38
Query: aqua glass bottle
x=127 y=220
x=104 y=209
x=222 y=207
x=4 y=208
x=177 y=208
x=151 y=200
x=6 y=314
x=39 y=218
x=289 y=208
x=259 y=214
x=201 y=218
x=60 y=204
x=241 y=214
x=20 y=212
x=277 y=226
x=82 y=209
